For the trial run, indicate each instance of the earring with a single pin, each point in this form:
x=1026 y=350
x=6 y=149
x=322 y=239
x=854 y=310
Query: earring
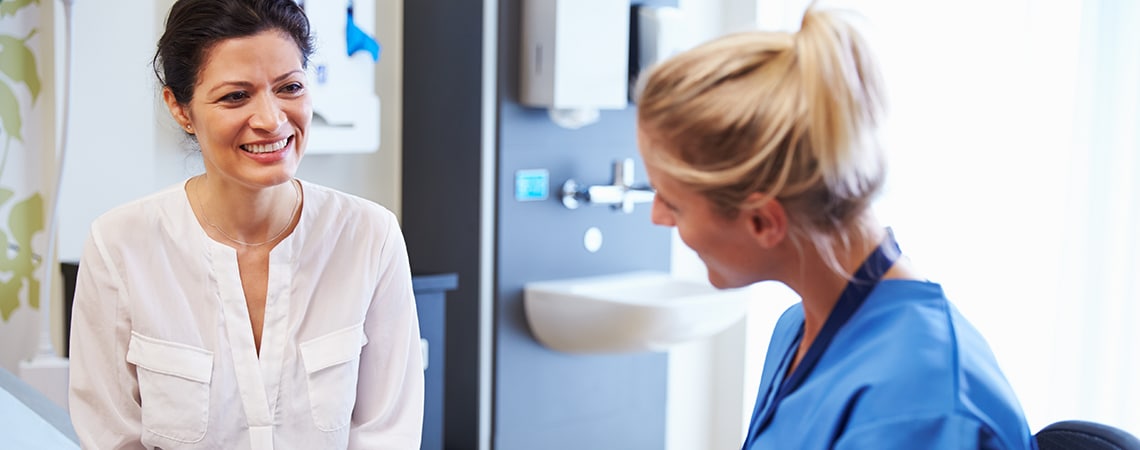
x=189 y=129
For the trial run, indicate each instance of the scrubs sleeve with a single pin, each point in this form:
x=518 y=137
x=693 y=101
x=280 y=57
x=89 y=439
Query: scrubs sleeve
x=955 y=432
x=390 y=391
x=103 y=395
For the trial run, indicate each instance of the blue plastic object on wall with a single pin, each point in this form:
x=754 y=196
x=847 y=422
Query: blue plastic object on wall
x=346 y=107
x=357 y=40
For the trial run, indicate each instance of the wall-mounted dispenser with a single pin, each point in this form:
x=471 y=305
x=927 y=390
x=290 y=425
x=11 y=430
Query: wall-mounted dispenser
x=575 y=58
x=342 y=77
x=661 y=33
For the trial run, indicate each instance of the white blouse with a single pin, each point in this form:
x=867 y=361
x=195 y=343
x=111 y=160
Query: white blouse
x=162 y=351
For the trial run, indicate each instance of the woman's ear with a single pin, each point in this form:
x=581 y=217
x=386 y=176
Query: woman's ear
x=177 y=111
x=767 y=222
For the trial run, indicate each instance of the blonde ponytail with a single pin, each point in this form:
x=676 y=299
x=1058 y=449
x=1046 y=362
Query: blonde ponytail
x=844 y=95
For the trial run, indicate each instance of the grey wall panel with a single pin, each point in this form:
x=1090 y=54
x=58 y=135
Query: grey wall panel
x=441 y=183
x=544 y=398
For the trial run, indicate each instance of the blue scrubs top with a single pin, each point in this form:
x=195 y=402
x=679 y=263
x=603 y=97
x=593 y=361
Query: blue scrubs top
x=906 y=371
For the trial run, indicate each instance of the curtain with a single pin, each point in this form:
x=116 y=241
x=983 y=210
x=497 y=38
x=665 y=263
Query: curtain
x=26 y=137
x=1100 y=342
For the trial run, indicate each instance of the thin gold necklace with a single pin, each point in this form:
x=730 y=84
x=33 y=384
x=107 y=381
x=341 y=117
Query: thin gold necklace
x=206 y=216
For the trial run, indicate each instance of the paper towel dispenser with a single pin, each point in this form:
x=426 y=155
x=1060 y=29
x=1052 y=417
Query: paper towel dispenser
x=575 y=57
x=661 y=33
x=342 y=77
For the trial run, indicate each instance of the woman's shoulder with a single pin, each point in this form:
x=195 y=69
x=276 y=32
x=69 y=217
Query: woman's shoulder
x=906 y=307
x=330 y=200
x=333 y=212
x=128 y=217
x=909 y=347
x=912 y=327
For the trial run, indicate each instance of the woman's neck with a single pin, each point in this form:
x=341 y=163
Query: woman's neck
x=818 y=283
x=246 y=214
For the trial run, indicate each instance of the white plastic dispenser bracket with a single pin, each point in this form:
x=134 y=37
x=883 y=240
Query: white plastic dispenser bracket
x=573 y=118
x=574 y=58
x=346 y=109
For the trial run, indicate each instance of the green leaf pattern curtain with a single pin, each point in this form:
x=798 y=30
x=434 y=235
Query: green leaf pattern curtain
x=26 y=152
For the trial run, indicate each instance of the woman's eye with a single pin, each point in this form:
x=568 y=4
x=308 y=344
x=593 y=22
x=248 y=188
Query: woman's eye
x=293 y=88
x=235 y=97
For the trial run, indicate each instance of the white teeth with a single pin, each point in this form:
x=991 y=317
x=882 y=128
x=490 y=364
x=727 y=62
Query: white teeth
x=266 y=148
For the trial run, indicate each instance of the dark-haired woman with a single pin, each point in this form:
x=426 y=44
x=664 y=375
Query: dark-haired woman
x=244 y=308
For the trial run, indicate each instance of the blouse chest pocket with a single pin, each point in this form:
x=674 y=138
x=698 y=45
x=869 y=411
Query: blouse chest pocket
x=174 y=386
x=332 y=363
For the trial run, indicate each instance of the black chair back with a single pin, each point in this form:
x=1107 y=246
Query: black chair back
x=1082 y=435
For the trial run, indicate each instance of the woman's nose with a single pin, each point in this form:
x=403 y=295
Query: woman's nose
x=268 y=116
x=660 y=215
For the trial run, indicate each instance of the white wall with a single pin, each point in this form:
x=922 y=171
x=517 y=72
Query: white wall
x=965 y=117
x=111 y=144
x=122 y=144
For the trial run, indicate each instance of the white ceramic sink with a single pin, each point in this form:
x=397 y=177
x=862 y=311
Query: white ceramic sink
x=627 y=312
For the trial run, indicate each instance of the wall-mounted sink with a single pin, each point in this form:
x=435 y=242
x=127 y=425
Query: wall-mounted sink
x=627 y=312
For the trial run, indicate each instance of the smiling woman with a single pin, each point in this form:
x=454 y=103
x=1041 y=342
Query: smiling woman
x=244 y=307
x=249 y=114
x=765 y=153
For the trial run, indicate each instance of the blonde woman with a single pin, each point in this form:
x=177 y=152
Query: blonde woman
x=762 y=148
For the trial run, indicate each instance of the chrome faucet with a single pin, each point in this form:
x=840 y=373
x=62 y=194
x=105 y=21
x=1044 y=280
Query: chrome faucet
x=620 y=195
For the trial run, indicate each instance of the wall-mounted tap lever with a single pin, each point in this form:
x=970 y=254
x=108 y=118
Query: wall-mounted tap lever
x=620 y=195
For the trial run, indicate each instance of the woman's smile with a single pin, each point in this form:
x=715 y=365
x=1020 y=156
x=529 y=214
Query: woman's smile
x=267 y=148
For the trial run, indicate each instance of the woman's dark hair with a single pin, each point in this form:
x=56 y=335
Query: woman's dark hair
x=193 y=27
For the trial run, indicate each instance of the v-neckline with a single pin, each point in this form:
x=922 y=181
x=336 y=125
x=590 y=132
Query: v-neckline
x=258 y=372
